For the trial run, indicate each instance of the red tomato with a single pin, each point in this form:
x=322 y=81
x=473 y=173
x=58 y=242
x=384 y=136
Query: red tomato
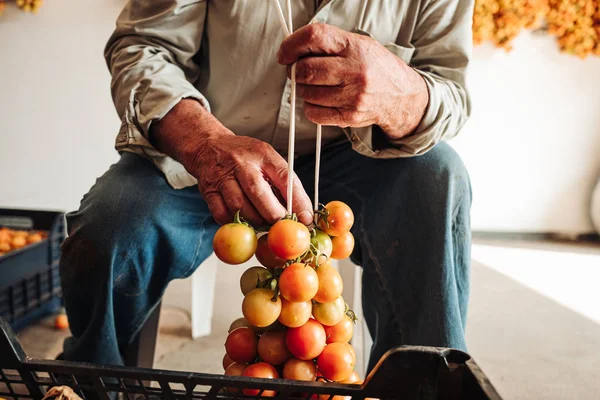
x=259 y=308
x=227 y=361
x=299 y=370
x=330 y=314
x=341 y=332
x=241 y=345
x=339 y=219
x=336 y=362
x=272 y=348
x=307 y=341
x=298 y=282
x=288 y=239
x=260 y=370
x=342 y=246
x=295 y=314
x=265 y=256
x=235 y=243
x=331 y=285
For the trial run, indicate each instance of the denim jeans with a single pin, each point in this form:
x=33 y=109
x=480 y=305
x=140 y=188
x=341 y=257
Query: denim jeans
x=133 y=234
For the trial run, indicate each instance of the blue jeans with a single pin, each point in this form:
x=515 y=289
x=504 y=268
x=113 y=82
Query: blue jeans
x=133 y=234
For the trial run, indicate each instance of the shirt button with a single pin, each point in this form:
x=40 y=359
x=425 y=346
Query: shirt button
x=354 y=138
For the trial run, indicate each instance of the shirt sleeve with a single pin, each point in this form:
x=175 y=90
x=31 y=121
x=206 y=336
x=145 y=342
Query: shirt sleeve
x=151 y=58
x=442 y=46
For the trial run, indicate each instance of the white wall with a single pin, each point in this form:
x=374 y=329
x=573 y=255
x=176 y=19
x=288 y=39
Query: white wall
x=57 y=121
x=532 y=146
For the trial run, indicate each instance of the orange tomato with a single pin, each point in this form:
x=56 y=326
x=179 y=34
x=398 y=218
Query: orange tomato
x=61 y=322
x=342 y=246
x=338 y=220
x=307 y=341
x=299 y=370
x=298 y=282
x=335 y=362
x=288 y=239
x=295 y=314
x=341 y=332
x=331 y=285
x=259 y=308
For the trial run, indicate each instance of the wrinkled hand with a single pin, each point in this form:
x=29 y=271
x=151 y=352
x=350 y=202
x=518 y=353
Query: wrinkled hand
x=350 y=80
x=233 y=172
x=236 y=173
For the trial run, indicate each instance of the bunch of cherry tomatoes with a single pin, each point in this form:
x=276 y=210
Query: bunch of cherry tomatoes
x=296 y=324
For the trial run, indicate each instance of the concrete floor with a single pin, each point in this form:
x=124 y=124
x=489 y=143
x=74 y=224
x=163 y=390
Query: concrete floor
x=530 y=346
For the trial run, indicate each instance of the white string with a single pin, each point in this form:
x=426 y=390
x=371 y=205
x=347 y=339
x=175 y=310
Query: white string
x=292 y=132
x=282 y=18
x=317 y=166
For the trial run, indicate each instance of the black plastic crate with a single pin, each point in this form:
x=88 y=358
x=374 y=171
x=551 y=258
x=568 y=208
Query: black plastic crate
x=29 y=278
x=406 y=373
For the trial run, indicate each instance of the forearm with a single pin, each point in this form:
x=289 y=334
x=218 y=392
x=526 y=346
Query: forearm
x=184 y=130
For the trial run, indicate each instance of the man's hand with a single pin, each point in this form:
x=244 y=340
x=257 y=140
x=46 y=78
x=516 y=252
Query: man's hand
x=350 y=80
x=233 y=172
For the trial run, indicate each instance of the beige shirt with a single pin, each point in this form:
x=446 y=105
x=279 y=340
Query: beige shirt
x=223 y=53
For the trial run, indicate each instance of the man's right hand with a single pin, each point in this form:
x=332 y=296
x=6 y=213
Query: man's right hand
x=233 y=172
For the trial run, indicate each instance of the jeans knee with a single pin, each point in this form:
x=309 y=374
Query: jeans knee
x=443 y=171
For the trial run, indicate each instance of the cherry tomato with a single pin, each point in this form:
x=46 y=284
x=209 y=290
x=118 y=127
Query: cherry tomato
x=238 y=323
x=351 y=350
x=295 y=314
x=265 y=256
x=241 y=345
x=353 y=378
x=61 y=322
x=336 y=362
x=342 y=246
x=307 y=341
x=330 y=314
x=339 y=219
x=235 y=243
x=288 y=239
x=299 y=370
x=235 y=369
x=227 y=361
x=331 y=285
x=252 y=277
x=322 y=242
x=259 y=309
x=272 y=348
x=341 y=332
x=260 y=370
x=298 y=282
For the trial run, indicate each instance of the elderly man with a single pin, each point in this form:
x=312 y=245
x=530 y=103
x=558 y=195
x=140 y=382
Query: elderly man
x=202 y=89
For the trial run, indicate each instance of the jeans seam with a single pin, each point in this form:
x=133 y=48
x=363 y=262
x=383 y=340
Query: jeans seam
x=200 y=241
x=381 y=282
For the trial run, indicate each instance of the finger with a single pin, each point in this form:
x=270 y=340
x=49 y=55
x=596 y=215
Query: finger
x=331 y=116
x=328 y=96
x=277 y=173
x=235 y=199
x=329 y=71
x=313 y=39
x=217 y=207
x=260 y=193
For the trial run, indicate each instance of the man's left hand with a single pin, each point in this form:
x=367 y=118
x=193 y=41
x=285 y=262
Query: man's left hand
x=351 y=80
